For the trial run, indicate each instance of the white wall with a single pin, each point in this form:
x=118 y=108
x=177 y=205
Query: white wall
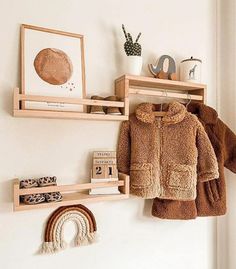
x=129 y=237
x=226 y=103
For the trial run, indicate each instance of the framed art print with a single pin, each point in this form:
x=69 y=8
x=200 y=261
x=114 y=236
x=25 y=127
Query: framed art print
x=52 y=64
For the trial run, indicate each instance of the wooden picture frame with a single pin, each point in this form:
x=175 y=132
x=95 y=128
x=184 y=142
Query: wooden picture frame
x=78 y=90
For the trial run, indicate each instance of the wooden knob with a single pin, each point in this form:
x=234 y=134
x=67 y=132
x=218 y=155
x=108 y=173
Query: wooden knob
x=162 y=75
x=173 y=76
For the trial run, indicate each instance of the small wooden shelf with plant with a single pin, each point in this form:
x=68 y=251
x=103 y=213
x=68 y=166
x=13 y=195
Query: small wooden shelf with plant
x=72 y=194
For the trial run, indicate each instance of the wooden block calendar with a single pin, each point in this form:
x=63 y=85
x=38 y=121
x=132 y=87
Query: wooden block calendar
x=104 y=165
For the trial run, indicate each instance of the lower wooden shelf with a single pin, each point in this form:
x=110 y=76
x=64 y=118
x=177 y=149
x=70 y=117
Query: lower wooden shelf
x=71 y=194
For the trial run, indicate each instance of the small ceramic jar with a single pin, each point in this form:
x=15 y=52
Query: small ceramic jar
x=190 y=70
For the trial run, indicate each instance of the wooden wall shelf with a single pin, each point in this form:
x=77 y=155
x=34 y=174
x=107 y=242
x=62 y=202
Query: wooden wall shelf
x=149 y=86
x=150 y=82
x=33 y=113
x=72 y=194
x=124 y=87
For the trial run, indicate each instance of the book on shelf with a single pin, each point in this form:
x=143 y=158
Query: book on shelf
x=107 y=190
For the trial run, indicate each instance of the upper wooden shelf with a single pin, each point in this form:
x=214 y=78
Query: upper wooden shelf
x=150 y=82
x=72 y=194
x=149 y=86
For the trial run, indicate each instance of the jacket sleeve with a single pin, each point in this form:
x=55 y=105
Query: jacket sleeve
x=207 y=167
x=124 y=148
x=229 y=145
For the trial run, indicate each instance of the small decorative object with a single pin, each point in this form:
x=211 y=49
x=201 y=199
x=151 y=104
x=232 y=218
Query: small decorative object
x=47 y=181
x=28 y=183
x=104 y=170
x=158 y=69
x=52 y=64
x=97 y=109
x=53 y=197
x=33 y=199
x=85 y=223
x=103 y=109
x=37 y=198
x=104 y=164
x=112 y=110
x=190 y=70
x=133 y=50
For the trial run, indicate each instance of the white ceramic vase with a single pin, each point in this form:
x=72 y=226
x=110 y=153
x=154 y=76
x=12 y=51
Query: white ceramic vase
x=134 y=65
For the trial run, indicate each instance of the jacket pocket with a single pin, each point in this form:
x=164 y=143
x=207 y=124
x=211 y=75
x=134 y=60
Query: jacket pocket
x=182 y=177
x=141 y=175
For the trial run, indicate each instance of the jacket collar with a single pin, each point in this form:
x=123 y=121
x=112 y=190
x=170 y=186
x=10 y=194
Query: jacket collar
x=175 y=112
x=205 y=113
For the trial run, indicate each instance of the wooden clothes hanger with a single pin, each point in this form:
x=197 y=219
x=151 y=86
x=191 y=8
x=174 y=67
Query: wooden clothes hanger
x=189 y=100
x=161 y=113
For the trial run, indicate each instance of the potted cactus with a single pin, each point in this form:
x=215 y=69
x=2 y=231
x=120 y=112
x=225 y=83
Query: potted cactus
x=133 y=50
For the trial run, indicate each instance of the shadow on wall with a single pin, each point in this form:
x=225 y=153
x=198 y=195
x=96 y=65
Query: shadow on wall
x=144 y=209
x=6 y=88
x=118 y=48
x=89 y=163
x=147 y=208
x=6 y=196
x=7 y=100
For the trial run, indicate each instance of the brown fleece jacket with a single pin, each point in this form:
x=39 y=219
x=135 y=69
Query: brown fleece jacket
x=211 y=196
x=165 y=157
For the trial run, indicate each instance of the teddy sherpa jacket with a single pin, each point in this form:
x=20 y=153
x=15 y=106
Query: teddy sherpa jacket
x=165 y=156
x=211 y=196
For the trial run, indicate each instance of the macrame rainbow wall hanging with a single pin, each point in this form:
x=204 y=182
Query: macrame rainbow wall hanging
x=85 y=223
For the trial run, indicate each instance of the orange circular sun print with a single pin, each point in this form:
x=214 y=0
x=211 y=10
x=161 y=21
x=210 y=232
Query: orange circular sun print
x=53 y=66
